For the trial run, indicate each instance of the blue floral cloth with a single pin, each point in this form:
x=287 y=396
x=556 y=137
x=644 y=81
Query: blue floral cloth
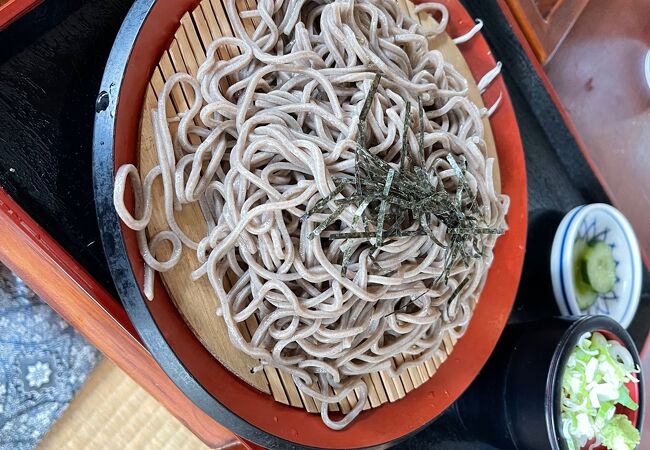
x=43 y=362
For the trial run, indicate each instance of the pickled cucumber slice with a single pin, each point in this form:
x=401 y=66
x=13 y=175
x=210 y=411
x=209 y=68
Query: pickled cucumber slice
x=585 y=296
x=599 y=267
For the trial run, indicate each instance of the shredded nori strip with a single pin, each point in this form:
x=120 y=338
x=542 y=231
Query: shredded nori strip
x=421 y=131
x=382 y=207
x=405 y=140
x=389 y=203
x=406 y=305
x=458 y=289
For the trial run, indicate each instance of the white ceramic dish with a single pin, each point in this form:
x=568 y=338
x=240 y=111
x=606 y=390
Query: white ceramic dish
x=602 y=222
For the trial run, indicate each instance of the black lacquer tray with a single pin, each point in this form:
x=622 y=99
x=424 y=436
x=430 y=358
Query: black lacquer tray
x=51 y=63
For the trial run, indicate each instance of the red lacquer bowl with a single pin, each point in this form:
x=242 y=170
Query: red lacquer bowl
x=146 y=33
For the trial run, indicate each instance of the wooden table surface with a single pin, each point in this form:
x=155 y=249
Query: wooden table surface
x=12 y=10
x=51 y=63
x=598 y=73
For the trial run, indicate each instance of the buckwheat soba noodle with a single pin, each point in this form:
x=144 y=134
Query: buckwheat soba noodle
x=351 y=235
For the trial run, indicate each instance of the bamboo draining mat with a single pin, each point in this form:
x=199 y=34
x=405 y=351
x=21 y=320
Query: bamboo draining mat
x=196 y=300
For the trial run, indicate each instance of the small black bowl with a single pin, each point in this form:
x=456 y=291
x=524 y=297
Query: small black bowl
x=514 y=402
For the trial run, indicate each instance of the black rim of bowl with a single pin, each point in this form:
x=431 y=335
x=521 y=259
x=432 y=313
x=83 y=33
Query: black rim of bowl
x=554 y=381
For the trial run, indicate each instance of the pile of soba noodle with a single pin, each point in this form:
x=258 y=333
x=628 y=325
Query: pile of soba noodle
x=277 y=125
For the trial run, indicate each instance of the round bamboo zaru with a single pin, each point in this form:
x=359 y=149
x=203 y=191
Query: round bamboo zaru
x=196 y=300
